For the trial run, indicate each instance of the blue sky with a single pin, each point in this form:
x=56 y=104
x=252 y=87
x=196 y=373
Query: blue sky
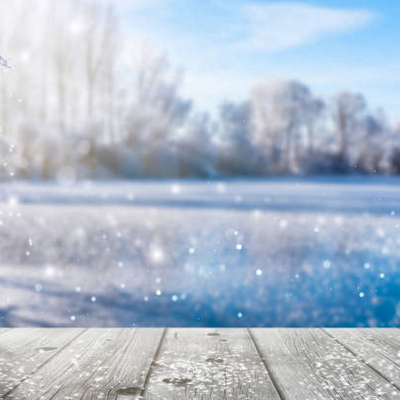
x=226 y=46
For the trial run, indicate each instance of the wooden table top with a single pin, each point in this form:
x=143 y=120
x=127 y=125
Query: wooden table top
x=206 y=364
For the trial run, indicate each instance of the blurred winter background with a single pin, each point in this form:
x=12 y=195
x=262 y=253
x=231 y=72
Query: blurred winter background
x=214 y=163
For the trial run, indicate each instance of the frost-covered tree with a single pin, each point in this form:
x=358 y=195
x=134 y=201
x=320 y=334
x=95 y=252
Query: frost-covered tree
x=238 y=155
x=348 y=113
x=313 y=112
x=282 y=111
x=195 y=147
x=67 y=86
x=363 y=137
x=156 y=111
x=374 y=145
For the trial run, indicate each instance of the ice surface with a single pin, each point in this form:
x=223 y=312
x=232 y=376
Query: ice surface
x=258 y=253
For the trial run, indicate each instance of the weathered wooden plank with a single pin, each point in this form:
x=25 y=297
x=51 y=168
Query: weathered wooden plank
x=23 y=351
x=101 y=363
x=307 y=364
x=209 y=364
x=379 y=348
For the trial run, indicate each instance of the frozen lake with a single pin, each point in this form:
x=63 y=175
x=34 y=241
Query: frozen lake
x=258 y=253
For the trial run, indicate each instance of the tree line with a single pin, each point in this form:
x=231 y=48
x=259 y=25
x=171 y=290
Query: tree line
x=83 y=100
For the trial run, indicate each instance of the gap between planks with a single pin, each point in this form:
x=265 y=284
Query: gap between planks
x=155 y=358
x=35 y=370
x=368 y=364
x=269 y=370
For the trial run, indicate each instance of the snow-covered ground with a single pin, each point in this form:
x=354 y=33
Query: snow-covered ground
x=257 y=253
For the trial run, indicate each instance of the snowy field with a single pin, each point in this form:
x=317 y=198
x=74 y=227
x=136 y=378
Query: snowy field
x=257 y=253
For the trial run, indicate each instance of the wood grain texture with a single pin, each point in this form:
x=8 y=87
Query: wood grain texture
x=100 y=364
x=206 y=364
x=24 y=351
x=307 y=364
x=379 y=348
x=209 y=364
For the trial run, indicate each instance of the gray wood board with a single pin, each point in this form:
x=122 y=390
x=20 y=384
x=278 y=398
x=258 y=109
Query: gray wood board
x=209 y=364
x=24 y=351
x=101 y=363
x=308 y=364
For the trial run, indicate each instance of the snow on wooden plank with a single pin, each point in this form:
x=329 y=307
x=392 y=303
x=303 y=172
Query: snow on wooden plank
x=379 y=348
x=209 y=364
x=102 y=363
x=24 y=351
x=308 y=364
x=199 y=364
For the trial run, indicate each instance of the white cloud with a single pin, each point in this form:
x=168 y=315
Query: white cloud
x=274 y=27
